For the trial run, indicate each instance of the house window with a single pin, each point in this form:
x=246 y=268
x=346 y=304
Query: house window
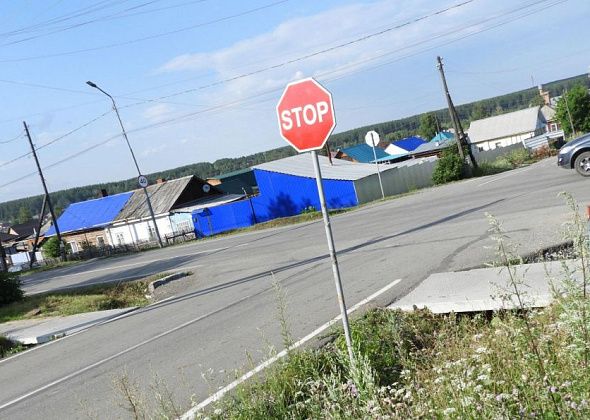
x=100 y=241
x=120 y=238
x=152 y=233
x=497 y=144
x=553 y=127
x=480 y=148
x=74 y=246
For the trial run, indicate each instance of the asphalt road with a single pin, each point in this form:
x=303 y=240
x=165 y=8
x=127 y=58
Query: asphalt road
x=229 y=320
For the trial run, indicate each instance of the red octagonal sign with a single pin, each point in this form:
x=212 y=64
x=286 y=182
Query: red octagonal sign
x=306 y=115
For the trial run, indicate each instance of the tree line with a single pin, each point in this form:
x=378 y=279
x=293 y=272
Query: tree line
x=425 y=124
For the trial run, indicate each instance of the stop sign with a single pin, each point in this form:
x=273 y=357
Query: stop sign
x=306 y=115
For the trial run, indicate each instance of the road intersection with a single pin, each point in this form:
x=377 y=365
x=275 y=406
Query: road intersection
x=229 y=320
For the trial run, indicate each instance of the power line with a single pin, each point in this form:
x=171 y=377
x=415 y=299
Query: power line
x=55 y=140
x=12 y=139
x=240 y=101
x=149 y=37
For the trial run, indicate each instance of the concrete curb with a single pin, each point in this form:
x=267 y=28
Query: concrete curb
x=165 y=280
x=61 y=326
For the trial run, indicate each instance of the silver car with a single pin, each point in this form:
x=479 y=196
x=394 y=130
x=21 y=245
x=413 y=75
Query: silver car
x=576 y=154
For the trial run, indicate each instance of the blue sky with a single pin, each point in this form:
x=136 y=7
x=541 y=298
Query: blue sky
x=199 y=80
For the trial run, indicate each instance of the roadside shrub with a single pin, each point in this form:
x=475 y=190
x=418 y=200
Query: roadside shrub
x=518 y=157
x=10 y=288
x=543 y=152
x=8 y=347
x=448 y=168
x=51 y=248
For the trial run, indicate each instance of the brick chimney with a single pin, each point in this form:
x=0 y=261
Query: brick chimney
x=160 y=180
x=103 y=193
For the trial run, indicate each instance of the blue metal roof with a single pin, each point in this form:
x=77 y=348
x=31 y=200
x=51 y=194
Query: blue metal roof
x=363 y=153
x=389 y=157
x=90 y=214
x=409 y=143
x=443 y=136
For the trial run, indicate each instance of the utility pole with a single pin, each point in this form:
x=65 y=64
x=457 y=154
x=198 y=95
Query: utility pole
x=38 y=233
x=569 y=114
x=3 y=267
x=147 y=195
x=49 y=204
x=459 y=133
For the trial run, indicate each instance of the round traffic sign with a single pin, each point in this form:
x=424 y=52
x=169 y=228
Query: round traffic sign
x=306 y=115
x=142 y=181
x=372 y=138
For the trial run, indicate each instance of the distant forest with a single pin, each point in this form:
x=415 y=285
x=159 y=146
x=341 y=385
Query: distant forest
x=390 y=130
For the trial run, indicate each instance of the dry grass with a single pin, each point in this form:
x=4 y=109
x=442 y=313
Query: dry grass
x=75 y=301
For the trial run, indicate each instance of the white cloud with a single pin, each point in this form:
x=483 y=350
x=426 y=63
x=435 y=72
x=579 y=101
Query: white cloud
x=304 y=36
x=157 y=113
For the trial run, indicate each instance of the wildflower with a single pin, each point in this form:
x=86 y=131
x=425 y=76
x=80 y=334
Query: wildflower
x=499 y=397
x=448 y=411
x=217 y=411
x=481 y=350
x=552 y=389
x=476 y=337
x=483 y=378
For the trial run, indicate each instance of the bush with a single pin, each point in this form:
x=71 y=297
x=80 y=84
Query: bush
x=448 y=168
x=10 y=288
x=51 y=248
x=518 y=157
x=543 y=152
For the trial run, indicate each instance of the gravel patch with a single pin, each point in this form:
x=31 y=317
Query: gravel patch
x=177 y=287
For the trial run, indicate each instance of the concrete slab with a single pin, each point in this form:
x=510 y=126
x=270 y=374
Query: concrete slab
x=482 y=289
x=40 y=331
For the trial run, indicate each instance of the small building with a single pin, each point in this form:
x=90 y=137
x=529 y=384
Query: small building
x=236 y=182
x=442 y=136
x=133 y=225
x=404 y=146
x=510 y=128
x=288 y=187
x=86 y=223
x=361 y=153
x=433 y=148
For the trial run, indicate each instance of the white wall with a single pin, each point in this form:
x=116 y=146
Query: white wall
x=504 y=141
x=137 y=231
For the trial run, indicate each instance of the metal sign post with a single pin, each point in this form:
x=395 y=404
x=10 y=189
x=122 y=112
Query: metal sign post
x=306 y=119
x=333 y=258
x=372 y=139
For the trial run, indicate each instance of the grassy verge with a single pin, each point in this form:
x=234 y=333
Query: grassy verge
x=75 y=301
x=418 y=365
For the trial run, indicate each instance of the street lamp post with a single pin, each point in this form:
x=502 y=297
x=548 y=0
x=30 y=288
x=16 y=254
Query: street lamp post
x=147 y=196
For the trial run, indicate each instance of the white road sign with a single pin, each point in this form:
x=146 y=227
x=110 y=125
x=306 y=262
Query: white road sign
x=142 y=181
x=372 y=138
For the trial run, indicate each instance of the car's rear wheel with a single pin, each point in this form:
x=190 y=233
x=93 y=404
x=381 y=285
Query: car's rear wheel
x=582 y=163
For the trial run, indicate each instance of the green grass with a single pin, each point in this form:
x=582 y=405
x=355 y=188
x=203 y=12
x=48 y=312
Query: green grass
x=75 y=301
x=419 y=365
x=9 y=347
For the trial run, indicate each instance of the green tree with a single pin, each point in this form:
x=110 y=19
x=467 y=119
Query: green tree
x=24 y=215
x=478 y=112
x=428 y=126
x=51 y=248
x=578 y=102
x=449 y=167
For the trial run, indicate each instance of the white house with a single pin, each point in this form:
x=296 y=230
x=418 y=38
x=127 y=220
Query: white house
x=134 y=225
x=510 y=128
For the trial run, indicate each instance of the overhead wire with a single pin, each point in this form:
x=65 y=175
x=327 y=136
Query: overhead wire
x=149 y=37
x=12 y=139
x=55 y=140
x=233 y=103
